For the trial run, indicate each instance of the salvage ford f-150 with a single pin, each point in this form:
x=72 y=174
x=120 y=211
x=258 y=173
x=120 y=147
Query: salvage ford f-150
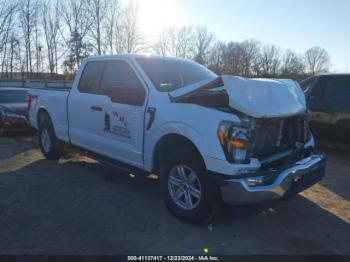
x=208 y=138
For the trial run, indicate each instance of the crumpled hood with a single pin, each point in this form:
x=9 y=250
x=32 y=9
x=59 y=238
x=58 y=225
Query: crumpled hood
x=264 y=97
x=260 y=98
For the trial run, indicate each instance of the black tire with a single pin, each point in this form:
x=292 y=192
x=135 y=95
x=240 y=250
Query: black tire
x=55 y=149
x=209 y=199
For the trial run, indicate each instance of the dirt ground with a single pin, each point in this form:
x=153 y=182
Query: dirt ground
x=79 y=206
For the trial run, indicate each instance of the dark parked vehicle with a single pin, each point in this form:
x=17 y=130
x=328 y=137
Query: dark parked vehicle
x=328 y=100
x=13 y=109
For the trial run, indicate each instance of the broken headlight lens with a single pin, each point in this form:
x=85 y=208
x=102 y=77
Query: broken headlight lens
x=234 y=141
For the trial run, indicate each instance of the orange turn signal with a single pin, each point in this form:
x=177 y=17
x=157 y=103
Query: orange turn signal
x=239 y=144
x=222 y=137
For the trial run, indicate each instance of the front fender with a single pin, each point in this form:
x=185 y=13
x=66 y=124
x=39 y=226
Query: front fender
x=173 y=128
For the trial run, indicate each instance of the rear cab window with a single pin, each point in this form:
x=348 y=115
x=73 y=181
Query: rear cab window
x=91 y=76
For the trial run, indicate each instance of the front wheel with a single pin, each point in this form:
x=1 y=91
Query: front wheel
x=188 y=188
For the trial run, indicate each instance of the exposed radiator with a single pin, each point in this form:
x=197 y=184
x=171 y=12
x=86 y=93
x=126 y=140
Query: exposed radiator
x=275 y=135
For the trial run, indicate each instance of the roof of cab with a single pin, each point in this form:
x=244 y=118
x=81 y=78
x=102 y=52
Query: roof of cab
x=332 y=74
x=323 y=75
x=132 y=56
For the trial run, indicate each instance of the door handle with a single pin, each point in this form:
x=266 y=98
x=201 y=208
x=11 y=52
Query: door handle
x=96 y=108
x=152 y=112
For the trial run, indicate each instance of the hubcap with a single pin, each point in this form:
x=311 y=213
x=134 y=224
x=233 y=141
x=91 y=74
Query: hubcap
x=184 y=187
x=45 y=140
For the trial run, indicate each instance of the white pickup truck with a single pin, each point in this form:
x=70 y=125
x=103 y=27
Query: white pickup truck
x=208 y=138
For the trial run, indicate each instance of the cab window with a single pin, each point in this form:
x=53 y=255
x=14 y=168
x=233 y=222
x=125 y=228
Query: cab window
x=91 y=76
x=337 y=93
x=120 y=82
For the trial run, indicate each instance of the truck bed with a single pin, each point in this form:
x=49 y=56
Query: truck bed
x=33 y=83
x=54 y=100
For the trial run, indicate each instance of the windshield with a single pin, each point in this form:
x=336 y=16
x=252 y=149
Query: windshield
x=13 y=96
x=168 y=75
x=307 y=83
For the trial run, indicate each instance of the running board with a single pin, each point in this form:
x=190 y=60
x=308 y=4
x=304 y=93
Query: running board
x=115 y=163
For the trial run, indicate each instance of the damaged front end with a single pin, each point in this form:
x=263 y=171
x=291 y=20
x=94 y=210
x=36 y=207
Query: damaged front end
x=272 y=112
x=273 y=130
x=284 y=147
x=280 y=141
x=274 y=142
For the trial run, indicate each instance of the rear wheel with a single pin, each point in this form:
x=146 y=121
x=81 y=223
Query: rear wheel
x=49 y=145
x=187 y=187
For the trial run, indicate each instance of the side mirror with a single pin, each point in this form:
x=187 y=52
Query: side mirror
x=127 y=95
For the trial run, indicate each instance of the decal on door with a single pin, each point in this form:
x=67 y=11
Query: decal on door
x=116 y=124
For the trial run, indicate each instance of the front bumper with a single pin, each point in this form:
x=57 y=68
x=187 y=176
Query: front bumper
x=269 y=185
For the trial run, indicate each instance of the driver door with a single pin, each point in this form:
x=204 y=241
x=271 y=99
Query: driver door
x=123 y=112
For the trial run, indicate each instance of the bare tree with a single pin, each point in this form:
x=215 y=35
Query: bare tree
x=51 y=25
x=238 y=58
x=97 y=13
x=232 y=58
x=7 y=11
x=317 y=60
x=182 y=42
x=250 y=56
x=73 y=29
x=112 y=26
x=38 y=49
x=28 y=14
x=130 y=35
x=216 y=58
x=270 y=60
x=162 y=45
x=76 y=18
x=292 y=64
x=14 y=54
x=175 y=41
x=202 y=43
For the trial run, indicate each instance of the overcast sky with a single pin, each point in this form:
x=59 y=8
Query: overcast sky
x=294 y=24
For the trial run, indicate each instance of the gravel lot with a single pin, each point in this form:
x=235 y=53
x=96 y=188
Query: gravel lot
x=79 y=206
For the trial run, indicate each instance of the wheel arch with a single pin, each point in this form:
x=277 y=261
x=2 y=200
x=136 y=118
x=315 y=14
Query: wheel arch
x=168 y=142
x=41 y=115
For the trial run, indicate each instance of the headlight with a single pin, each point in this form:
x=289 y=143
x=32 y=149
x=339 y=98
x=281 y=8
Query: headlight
x=234 y=141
